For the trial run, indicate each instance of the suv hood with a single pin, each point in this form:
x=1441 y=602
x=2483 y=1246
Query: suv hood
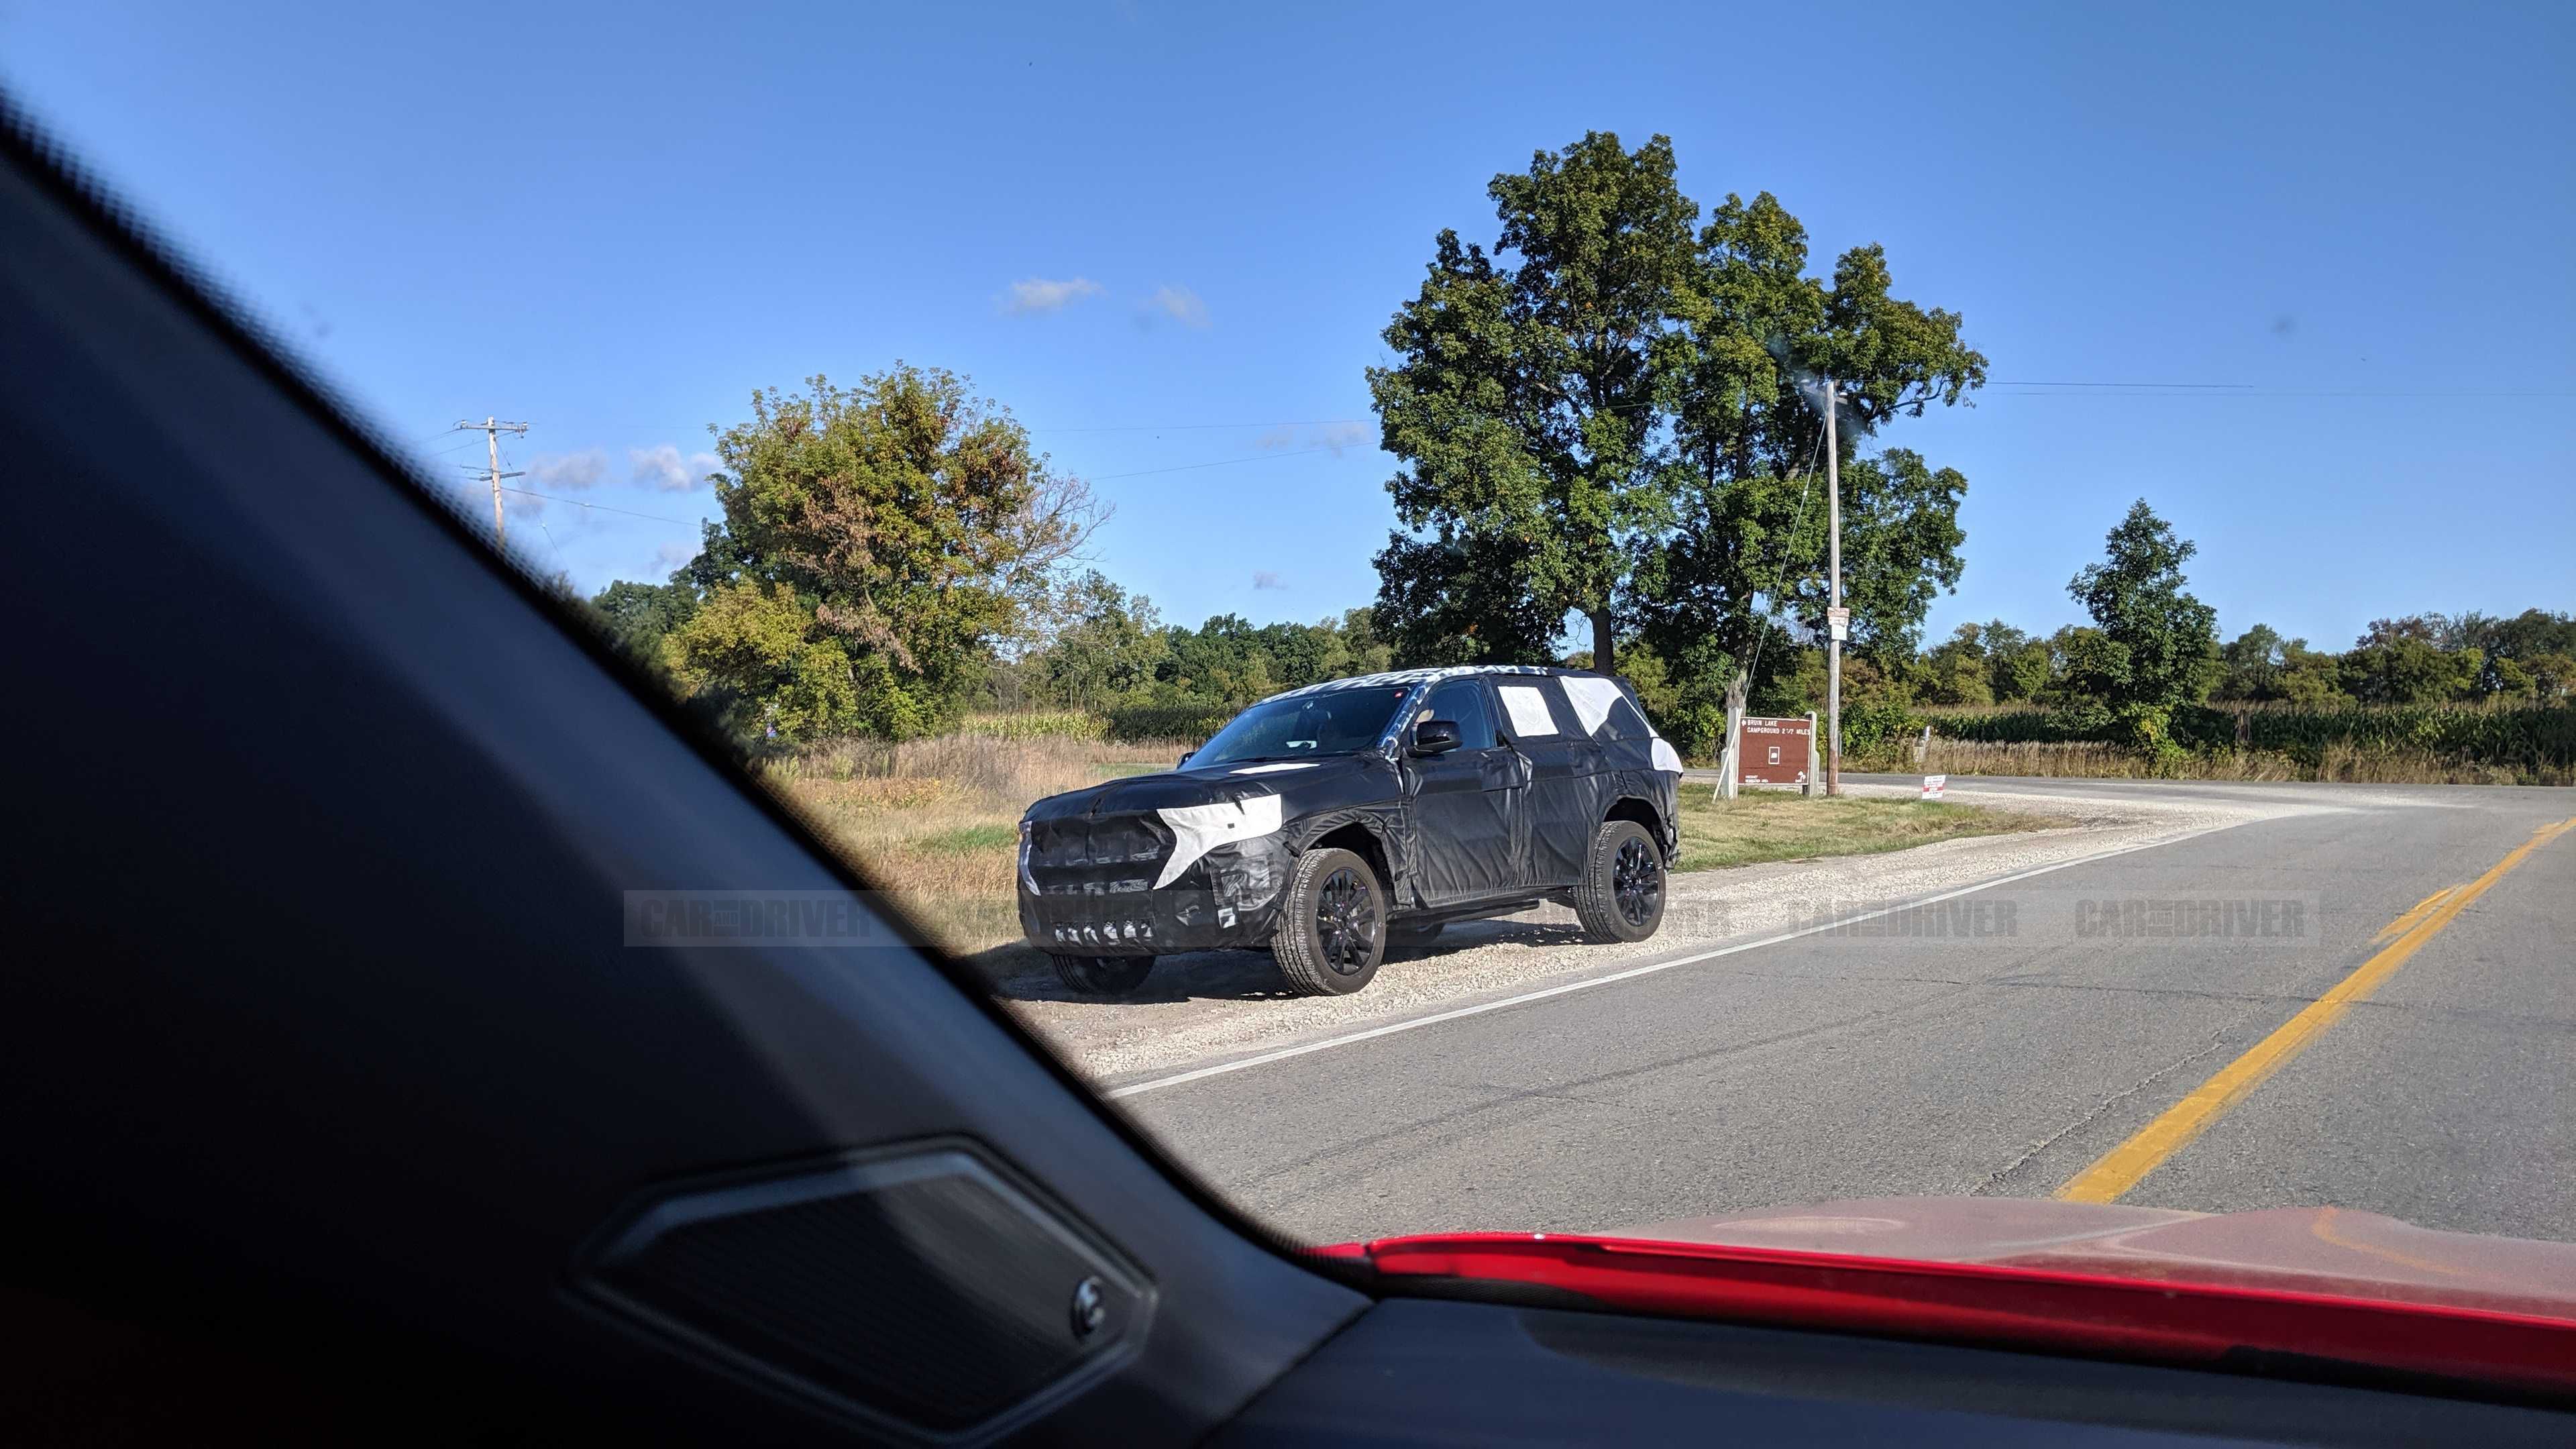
x=1302 y=785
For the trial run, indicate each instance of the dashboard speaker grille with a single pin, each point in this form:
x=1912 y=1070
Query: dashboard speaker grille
x=923 y=1288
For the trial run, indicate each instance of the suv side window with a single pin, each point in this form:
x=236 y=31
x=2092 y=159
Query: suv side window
x=1527 y=707
x=1462 y=701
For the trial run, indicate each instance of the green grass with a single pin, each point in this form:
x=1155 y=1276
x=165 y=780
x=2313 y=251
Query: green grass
x=1120 y=772
x=1765 y=825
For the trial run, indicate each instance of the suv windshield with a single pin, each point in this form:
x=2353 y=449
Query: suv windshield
x=1335 y=722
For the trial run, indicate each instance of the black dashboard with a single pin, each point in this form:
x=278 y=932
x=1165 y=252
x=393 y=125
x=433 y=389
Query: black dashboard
x=1419 y=1372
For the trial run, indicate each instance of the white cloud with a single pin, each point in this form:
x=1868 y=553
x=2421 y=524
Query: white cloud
x=1265 y=579
x=1180 y=304
x=1038 y=294
x=662 y=467
x=672 y=555
x=569 y=472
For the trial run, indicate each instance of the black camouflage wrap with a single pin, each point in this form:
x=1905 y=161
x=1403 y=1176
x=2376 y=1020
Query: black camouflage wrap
x=1471 y=832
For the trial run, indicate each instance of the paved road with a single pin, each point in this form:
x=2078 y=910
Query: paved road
x=1992 y=1051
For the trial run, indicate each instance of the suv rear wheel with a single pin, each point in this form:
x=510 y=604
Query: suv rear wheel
x=1102 y=975
x=1622 y=894
x=1332 y=925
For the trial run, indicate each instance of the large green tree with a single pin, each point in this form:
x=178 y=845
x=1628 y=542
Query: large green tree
x=2157 y=646
x=1525 y=406
x=1603 y=418
x=901 y=527
x=2411 y=669
x=2250 y=665
x=1745 y=487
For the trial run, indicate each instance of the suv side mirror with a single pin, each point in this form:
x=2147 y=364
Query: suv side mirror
x=1435 y=737
x=1184 y=760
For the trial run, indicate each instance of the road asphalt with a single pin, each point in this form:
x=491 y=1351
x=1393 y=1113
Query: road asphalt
x=1994 y=1043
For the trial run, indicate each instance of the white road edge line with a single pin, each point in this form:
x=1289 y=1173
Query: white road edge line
x=1196 y=1074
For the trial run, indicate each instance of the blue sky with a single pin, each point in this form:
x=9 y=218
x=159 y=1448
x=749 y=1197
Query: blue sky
x=616 y=221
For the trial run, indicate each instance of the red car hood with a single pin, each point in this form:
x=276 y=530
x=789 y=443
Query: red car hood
x=2305 y=1250
x=2296 y=1291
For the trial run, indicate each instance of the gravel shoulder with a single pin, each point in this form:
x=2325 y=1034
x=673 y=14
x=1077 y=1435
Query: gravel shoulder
x=1209 y=1006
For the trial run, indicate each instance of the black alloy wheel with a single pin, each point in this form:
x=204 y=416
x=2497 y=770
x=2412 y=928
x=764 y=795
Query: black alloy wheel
x=1637 y=883
x=1622 y=894
x=1346 y=921
x=1332 y=931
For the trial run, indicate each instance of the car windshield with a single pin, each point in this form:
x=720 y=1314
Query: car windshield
x=1328 y=722
x=2037 y=680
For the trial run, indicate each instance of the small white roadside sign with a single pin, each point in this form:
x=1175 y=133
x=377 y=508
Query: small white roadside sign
x=1932 y=786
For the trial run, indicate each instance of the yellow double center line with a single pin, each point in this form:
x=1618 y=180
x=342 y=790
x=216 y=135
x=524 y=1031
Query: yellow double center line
x=2121 y=1168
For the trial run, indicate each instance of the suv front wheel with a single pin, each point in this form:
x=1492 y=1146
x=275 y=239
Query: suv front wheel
x=1332 y=925
x=1622 y=894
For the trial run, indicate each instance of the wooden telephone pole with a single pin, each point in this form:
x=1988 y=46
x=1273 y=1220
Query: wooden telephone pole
x=492 y=428
x=1837 y=619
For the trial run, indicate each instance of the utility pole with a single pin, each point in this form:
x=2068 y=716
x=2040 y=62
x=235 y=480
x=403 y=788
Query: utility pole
x=1836 y=621
x=492 y=429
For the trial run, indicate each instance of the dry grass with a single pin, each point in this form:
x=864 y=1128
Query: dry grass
x=1764 y=825
x=2423 y=767
x=935 y=822
x=2083 y=759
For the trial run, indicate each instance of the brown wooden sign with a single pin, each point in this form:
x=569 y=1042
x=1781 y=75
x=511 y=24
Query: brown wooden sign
x=1773 y=751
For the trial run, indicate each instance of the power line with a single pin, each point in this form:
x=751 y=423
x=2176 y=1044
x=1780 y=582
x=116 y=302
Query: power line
x=1806 y=481
x=1195 y=427
x=2255 y=392
x=604 y=508
x=1219 y=463
x=562 y=565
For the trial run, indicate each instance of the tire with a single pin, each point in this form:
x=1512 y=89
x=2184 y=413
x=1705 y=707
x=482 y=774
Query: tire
x=1623 y=890
x=1102 y=975
x=1332 y=925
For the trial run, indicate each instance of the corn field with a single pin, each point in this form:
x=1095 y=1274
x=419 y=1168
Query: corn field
x=1067 y=724
x=1191 y=722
